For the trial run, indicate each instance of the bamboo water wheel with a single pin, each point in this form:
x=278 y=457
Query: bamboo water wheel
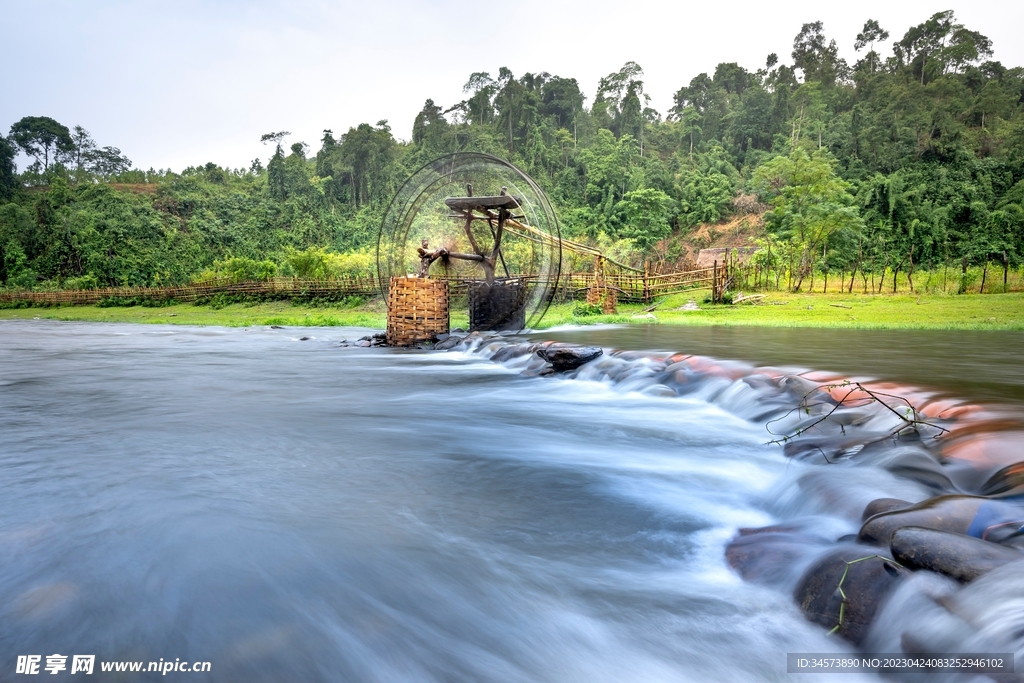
x=482 y=226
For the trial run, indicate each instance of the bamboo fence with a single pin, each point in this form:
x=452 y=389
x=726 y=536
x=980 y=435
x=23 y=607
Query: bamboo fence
x=631 y=287
x=283 y=288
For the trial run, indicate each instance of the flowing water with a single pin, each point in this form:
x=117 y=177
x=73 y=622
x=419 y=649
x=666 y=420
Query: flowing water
x=289 y=509
x=970 y=364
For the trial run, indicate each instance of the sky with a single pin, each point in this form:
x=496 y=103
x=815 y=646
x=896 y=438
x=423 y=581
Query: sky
x=183 y=82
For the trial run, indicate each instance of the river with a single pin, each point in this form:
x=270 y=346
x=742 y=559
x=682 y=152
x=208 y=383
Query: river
x=288 y=509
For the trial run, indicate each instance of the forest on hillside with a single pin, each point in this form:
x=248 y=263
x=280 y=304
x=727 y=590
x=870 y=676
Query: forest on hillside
x=916 y=157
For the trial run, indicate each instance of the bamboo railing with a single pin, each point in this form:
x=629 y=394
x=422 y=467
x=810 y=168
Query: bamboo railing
x=636 y=287
x=273 y=288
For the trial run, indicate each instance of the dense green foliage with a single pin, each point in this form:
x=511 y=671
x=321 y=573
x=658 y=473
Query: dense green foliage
x=917 y=158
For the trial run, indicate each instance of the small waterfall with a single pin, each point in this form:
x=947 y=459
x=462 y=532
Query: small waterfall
x=866 y=442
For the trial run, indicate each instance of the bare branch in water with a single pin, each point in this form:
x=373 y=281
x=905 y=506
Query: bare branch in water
x=914 y=422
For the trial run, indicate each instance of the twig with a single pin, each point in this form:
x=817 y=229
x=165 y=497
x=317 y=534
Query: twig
x=846 y=570
x=908 y=423
x=840 y=305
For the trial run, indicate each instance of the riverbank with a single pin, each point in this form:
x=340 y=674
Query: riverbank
x=776 y=309
x=371 y=314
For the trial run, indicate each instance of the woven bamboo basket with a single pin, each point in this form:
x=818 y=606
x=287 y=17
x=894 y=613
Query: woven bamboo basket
x=500 y=306
x=417 y=310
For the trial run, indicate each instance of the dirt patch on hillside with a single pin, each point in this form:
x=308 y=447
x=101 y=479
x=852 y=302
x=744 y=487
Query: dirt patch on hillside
x=679 y=252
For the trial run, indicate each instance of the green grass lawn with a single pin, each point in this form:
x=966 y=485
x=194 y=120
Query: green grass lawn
x=784 y=309
x=777 y=309
x=285 y=313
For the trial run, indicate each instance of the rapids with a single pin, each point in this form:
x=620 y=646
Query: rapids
x=288 y=509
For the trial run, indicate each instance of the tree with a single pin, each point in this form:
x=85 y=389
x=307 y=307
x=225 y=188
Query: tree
x=689 y=125
x=323 y=157
x=366 y=152
x=561 y=98
x=941 y=45
x=276 y=138
x=479 y=107
x=618 y=99
x=107 y=162
x=9 y=184
x=818 y=60
x=429 y=125
x=297 y=170
x=732 y=77
x=276 y=175
x=810 y=202
x=607 y=164
x=704 y=196
x=630 y=119
x=868 y=36
x=646 y=215
x=993 y=100
x=517 y=102
x=698 y=95
x=752 y=124
x=83 y=145
x=42 y=138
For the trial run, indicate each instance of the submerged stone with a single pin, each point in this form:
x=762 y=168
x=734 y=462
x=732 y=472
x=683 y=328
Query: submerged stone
x=952 y=513
x=880 y=505
x=961 y=557
x=449 y=343
x=513 y=351
x=771 y=555
x=1007 y=481
x=865 y=579
x=908 y=460
x=565 y=358
x=970 y=515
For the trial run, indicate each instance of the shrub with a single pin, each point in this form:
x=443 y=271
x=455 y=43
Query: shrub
x=583 y=310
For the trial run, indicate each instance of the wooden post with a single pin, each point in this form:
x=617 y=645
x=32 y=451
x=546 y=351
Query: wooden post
x=714 y=282
x=729 y=267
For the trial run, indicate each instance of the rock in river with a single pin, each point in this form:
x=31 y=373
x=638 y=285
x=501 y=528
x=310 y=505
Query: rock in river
x=565 y=358
x=945 y=513
x=961 y=557
x=771 y=555
x=970 y=515
x=880 y=505
x=1006 y=482
x=511 y=351
x=865 y=579
x=449 y=343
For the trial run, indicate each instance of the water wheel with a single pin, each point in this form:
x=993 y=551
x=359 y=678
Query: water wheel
x=482 y=225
